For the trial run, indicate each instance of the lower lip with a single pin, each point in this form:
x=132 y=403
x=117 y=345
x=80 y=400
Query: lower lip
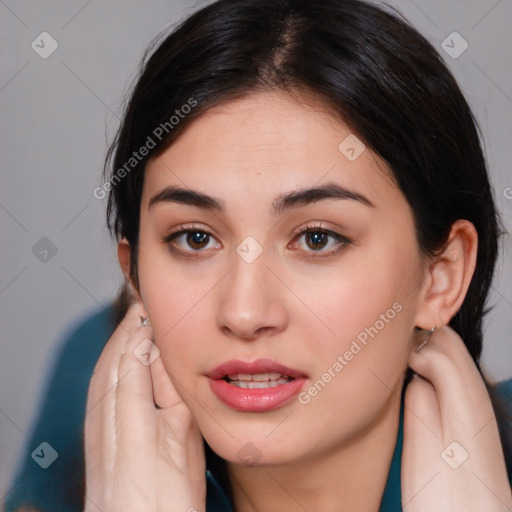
x=256 y=400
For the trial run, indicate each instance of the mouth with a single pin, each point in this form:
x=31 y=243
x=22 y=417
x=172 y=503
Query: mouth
x=257 y=380
x=256 y=386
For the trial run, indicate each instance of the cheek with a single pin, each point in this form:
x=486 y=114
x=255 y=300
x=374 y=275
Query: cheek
x=361 y=359
x=362 y=305
x=361 y=371
x=177 y=306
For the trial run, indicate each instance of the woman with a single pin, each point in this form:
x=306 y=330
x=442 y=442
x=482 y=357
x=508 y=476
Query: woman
x=303 y=214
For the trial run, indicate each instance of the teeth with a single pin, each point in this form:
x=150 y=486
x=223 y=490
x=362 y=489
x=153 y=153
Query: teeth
x=259 y=385
x=257 y=377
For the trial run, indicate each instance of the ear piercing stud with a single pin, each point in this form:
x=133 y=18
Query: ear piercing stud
x=144 y=321
x=426 y=338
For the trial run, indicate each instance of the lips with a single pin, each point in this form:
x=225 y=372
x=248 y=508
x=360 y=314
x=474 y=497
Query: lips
x=256 y=386
x=260 y=366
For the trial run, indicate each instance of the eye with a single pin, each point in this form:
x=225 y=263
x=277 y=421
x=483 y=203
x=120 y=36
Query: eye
x=320 y=240
x=312 y=239
x=189 y=240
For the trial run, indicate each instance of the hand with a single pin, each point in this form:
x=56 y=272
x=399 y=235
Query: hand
x=139 y=458
x=452 y=455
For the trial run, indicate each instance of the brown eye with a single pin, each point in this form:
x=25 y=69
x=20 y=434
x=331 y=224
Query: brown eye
x=319 y=240
x=190 y=241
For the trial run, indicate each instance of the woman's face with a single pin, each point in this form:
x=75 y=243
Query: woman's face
x=334 y=305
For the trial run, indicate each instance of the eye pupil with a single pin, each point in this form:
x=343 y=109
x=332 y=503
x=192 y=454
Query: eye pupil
x=197 y=238
x=317 y=238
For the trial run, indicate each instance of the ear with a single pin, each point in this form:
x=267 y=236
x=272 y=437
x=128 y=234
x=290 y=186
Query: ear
x=123 y=255
x=449 y=276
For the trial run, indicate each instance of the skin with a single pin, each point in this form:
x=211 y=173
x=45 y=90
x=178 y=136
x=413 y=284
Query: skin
x=334 y=452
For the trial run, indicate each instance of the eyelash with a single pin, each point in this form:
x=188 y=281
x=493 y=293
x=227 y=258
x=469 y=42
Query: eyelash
x=344 y=242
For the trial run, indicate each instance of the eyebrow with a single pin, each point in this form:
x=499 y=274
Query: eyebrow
x=282 y=203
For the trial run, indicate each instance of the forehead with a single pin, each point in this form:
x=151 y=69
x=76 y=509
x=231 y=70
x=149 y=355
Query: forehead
x=265 y=144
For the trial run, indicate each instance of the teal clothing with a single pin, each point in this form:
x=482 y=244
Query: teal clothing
x=60 y=487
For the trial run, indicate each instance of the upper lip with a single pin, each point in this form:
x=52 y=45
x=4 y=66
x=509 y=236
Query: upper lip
x=252 y=367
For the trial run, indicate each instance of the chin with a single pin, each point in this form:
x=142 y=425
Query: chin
x=260 y=445
x=257 y=452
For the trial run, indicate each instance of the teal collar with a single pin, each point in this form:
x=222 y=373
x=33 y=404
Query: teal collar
x=392 y=498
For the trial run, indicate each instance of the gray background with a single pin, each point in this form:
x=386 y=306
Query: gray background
x=56 y=117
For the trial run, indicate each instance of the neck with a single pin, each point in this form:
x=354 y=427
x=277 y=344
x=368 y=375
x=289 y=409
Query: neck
x=351 y=476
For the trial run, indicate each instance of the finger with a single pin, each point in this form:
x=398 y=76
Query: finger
x=469 y=433
x=446 y=363
x=163 y=388
x=423 y=487
x=115 y=345
x=106 y=371
x=173 y=409
x=134 y=405
x=100 y=410
x=133 y=318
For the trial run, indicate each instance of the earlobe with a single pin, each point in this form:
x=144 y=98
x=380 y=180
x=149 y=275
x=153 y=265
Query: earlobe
x=123 y=255
x=450 y=274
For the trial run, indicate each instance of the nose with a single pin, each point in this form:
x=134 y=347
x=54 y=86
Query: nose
x=252 y=302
